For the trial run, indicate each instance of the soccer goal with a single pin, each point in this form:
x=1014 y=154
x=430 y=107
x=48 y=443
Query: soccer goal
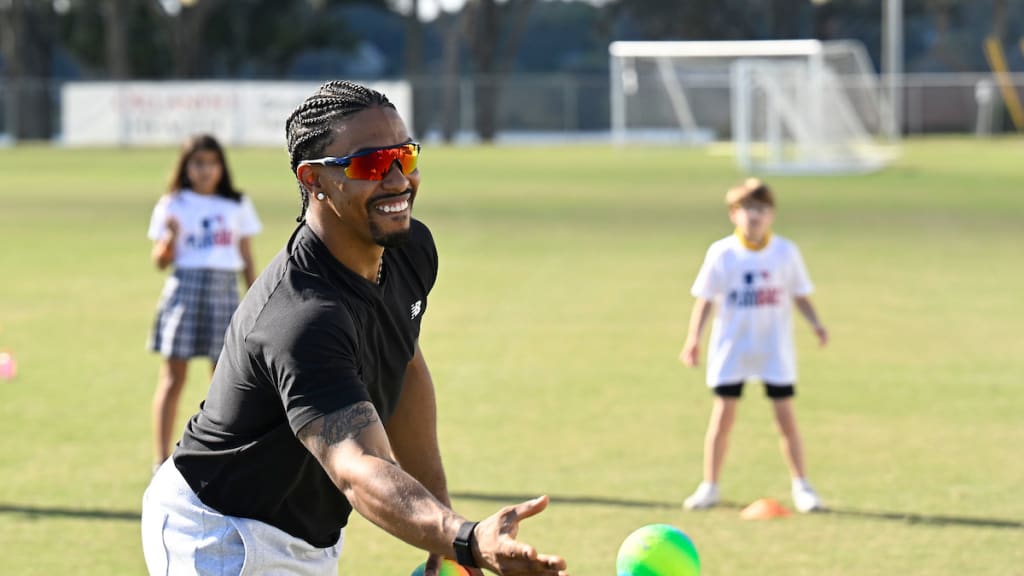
x=791 y=106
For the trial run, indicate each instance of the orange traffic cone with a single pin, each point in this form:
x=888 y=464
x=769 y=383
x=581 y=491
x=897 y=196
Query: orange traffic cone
x=764 y=509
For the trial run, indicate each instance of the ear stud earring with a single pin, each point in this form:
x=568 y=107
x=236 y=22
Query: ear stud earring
x=319 y=195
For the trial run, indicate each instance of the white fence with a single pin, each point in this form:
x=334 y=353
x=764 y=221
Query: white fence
x=162 y=113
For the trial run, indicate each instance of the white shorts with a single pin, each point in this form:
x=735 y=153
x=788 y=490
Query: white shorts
x=181 y=535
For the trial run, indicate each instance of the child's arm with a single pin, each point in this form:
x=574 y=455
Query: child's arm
x=163 y=249
x=249 y=269
x=690 y=354
x=803 y=303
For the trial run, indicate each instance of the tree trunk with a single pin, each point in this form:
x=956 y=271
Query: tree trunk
x=186 y=39
x=116 y=20
x=493 y=64
x=27 y=43
x=515 y=35
x=999 y=19
x=186 y=33
x=9 y=23
x=414 y=41
x=785 y=16
x=484 y=37
x=414 y=70
x=451 y=32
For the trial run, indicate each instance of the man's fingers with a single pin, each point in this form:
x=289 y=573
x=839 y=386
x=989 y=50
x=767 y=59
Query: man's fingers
x=521 y=552
x=531 y=507
x=551 y=561
x=542 y=566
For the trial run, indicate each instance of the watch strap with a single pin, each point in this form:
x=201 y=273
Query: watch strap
x=464 y=545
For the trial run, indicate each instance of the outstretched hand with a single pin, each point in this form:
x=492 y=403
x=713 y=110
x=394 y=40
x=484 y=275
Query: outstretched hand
x=498 y=550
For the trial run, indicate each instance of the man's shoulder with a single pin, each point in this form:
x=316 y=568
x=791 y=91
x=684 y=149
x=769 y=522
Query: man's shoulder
x=290 y=302
x=308 y=294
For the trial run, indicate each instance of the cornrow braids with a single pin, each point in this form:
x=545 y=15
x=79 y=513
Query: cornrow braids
x=309 y=126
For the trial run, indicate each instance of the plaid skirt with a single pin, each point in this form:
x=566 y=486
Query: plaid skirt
x=194 y=312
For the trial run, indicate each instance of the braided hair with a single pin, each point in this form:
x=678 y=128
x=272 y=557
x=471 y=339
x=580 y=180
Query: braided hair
x=309 y=126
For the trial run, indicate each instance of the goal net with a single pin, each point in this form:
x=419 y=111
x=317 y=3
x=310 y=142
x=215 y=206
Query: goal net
x=789 y=106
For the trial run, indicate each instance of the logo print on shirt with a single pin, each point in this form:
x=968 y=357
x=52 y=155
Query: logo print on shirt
x=215 y=233
x=416 y=308
x=751 y=296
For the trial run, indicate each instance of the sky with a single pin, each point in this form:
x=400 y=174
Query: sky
x=429 y=8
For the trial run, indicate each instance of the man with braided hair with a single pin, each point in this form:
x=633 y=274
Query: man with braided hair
x=322 y=401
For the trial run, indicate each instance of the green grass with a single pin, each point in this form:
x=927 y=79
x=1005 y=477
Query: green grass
x=552 y=336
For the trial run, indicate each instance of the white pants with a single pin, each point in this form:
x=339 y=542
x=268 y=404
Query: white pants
x=183 y=536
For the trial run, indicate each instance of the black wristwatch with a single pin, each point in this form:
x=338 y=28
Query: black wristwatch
x=464 y=545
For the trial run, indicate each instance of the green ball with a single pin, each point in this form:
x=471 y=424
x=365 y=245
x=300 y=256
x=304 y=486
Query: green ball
x=448 y=568
x=657 y=550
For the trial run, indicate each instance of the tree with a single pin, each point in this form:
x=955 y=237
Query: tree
x=1000 y=12
x=116 y=19
x=693 y=20
x=414 y=60
x=492 y=54
x=186 y=27
x=27 y=37
x=122 y=39
x=451 y=26
x=783 y=18
x=414 y=41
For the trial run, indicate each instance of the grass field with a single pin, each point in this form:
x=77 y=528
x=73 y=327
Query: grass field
x=552 y=336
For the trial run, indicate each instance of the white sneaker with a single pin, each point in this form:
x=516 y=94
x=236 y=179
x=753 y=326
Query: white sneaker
x=705 y=496
x=806 y=499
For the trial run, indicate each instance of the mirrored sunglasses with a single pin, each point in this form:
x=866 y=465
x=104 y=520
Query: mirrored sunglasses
x=373 y=164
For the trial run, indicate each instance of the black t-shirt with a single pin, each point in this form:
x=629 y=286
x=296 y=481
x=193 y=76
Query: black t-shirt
x=309 y=338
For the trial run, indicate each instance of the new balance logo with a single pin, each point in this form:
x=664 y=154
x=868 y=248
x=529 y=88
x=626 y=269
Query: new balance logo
x=417 y=307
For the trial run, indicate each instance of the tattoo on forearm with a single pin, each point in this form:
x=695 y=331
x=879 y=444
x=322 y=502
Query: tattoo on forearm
x=342 y=425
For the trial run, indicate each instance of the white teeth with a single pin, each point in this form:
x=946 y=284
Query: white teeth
x=392 y=208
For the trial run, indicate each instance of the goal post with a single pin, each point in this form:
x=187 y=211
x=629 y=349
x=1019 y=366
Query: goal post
x=788 y=106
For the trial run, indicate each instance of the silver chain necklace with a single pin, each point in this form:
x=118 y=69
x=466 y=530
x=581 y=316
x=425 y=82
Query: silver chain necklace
x=380 y=269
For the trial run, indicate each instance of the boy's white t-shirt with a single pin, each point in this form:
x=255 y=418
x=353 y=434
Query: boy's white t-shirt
x=210 y=229
x=752 y=334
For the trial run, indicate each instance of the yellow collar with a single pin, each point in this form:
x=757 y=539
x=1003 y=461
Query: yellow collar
x=752 y=246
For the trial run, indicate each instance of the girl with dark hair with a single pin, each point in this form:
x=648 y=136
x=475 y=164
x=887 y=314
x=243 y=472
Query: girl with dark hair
x=202 y=227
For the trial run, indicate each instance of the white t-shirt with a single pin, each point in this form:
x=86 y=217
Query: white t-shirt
x=211 y=228
x=752 y=335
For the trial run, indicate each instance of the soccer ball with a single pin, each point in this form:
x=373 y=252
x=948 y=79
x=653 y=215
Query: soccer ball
x=448 y=568
x=657 y=550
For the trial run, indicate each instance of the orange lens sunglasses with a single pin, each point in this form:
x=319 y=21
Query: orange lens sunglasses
x=375 y=163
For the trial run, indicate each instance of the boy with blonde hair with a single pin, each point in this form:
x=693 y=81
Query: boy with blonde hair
x=753 y=277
